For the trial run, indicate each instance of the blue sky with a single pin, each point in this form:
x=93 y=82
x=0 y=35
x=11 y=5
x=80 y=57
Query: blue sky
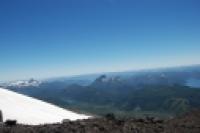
x=47 y=38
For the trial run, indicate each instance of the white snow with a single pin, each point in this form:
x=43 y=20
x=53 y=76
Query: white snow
x=27 y=110
x=23 y=83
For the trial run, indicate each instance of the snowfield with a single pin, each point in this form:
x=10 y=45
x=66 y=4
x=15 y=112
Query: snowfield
x=27 y=110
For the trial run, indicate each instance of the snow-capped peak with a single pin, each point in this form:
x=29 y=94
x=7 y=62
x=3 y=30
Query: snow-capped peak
x=22 y=83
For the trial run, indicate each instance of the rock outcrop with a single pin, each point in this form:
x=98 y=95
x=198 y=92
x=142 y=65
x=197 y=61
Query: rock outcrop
x=188 y=123
x=1 y=116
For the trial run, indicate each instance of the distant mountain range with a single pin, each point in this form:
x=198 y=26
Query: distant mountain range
x=21 y=83
x=166 y=91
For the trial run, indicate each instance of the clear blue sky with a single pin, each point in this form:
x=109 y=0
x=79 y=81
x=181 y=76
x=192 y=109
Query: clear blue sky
x=47 y=38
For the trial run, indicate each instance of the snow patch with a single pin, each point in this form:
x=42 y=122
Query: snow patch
x=27 y=110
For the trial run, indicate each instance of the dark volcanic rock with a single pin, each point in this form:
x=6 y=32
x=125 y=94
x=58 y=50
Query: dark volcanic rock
x=11 y=123
x=189 y=123
x=185 y=124
x=1 y=116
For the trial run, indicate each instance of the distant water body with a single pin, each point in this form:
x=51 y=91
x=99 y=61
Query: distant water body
x=194 y=83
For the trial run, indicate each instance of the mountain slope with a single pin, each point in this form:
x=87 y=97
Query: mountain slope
x=28 y=110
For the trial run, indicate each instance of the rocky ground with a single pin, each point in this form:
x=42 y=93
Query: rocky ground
x=189 y=123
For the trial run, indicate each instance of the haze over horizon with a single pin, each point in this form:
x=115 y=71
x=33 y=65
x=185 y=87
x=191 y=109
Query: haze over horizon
x=52 y=38
x=100 y=72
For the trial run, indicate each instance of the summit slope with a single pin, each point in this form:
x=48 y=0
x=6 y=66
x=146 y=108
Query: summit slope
x=27 y=110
